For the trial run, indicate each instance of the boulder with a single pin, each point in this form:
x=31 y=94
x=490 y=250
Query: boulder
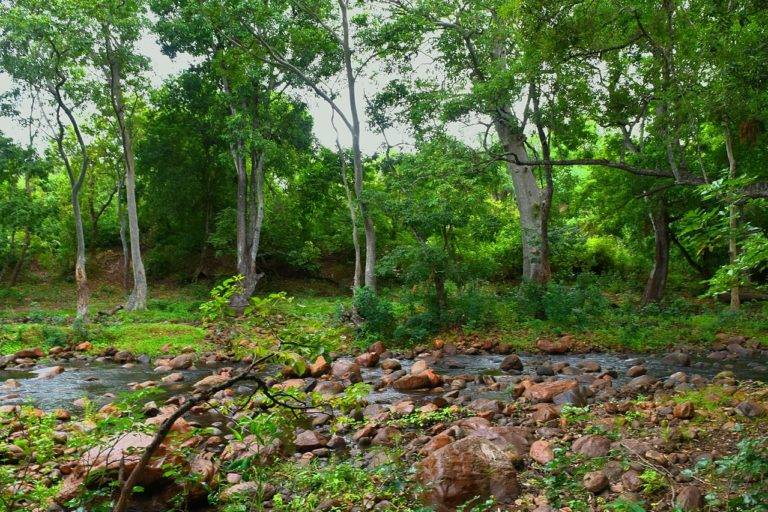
x=595 y=481
x=592 y=446
x=182 y=361
x=641 y=383
x=173 y=377
x=561 y=346
x=470 y=468
x=319 y=367
x=210 y=381
x=49 y=373
x=367 y=360
x=546 y=391
x=689 y=498
x=750 y=409
x=309 y=440
x=636 y=371
x=684 y=411
x=678 y=359
x=29 y=353
x=544 y=412
x=344 y=369
x=541 y=452
x=391 y=365
x=511 y=362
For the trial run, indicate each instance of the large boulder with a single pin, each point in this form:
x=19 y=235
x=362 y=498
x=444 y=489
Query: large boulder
x=546 y=391
x=511 y=362
x=467 y=469
x=344 y=369
x=560 y=346
x=592 y=446
x=182 y=361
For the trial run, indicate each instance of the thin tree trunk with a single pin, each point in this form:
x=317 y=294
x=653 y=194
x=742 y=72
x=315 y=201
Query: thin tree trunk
x=548 y=191
x=733 y=218
x=138 y=298
x=357 y=279
x=27 y=237
x=122 y=219
x=357 y=158
x=76 y=182
x=654 y=288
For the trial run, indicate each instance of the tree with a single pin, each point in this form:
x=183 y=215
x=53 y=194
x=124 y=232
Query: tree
x=44 y=45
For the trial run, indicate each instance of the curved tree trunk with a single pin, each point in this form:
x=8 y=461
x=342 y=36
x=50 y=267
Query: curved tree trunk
x=657 y=280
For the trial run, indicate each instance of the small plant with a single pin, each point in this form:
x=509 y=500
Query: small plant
x=217 y=307
x=653 y=481
x=573 y=415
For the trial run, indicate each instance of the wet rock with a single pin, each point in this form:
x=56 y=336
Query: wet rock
x=346 y=370
x=377 y=348
x=390 y=365
x=469 y=468
x=678 y=359
x=85 y=346
x=636 y=371
x=750 y=409
x=589 y=366
x=511 y=362
x=486 y=405
x=561 y=346
x=545 y=370
x=575 y=396
x=182 y=361
x=592 y=446
x=29 y=353
x=386 y=436
x=329 y=387
x=309 y=440
x=595 y=481
x=546 y=391
x=689 y=498
x=173 y=377
x=641 y=383
x=49 y=373
x=541 y=451
x=424 y=380
x=210 y=382
x=367 y=360
x=684 y=411
x=123 y=356
x=419 y=367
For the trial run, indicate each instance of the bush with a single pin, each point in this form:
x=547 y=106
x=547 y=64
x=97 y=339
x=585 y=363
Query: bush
x=376 y=311
x=567 y=305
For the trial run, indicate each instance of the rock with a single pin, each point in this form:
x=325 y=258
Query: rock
x=636 y=371
x=367 y=360
x=546 y=391
x=319 y=367
x=689 y=498
x=641 y=383
x=377 y=348
x=678 y=359
x=631 y=481
x=511 y=362
x=575 y=396
x=544 y=412
x=684 y=411
x=29 y=353
x=173 y=377
x=589 y=366
x=329 y=387
x=309 y=440
x=210 y=381
x=595 y=481
x=386 y=436
x=750 y=409
x=469 y=468
x=592 y=446
x=560 y=346
x=391 y=365
x=425 y=380
x=182 y=361
x=49 y=373
x=123 y=356
x=85 y=346
x=249 y=490
x=541 y=452
x=346 y=370
x=419 y=367
x=486 y=405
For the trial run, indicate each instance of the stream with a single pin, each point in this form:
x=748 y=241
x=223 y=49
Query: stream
x=102 y=381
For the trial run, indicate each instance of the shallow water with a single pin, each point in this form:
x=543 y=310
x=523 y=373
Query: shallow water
x=100 y=381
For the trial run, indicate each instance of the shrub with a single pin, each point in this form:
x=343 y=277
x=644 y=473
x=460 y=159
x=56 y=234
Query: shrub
x=376 y=311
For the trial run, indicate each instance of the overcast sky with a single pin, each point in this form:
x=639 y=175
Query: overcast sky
x=163 y=67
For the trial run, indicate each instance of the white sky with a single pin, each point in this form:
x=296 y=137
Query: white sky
x=163 y=67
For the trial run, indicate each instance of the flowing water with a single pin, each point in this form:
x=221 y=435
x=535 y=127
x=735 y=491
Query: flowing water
x=101 y=381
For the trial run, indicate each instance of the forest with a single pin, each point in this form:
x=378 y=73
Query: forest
x=383 y=255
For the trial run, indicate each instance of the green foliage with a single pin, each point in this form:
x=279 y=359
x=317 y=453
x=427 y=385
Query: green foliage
x=375 y=310
x=217 y=307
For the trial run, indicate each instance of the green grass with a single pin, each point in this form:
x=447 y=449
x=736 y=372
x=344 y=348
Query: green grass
x=149 y=338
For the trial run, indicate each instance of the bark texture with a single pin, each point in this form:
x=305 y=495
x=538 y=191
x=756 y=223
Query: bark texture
x=657 y=280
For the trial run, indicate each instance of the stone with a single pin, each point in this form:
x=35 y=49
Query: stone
x=689 y=498
x=419 y=366
x=173 y=377
x=544 y=412
x=592 y=446
x=346 y=370
x=631 y=481
x=589 y=366
x=123 y=356
x=561 y=346
x=85 y=346
x=210 y=381
x=636 y=371
x=684 y=411
x=367 y=360
x=390 y=365
x=29 y=353
x=377 y=348
x=469 y=468
x=541 y=452
x=252 y=490
x=511 y=362
x=49 y=373
x=641 y=383
x=750 y=409
x=575 y=396
x=595 y=481
x=386 y=436
x=182 y=361
x=678 y=359
x=309 y=440
x=546 y=391
x=481 y=405
x=319 y=367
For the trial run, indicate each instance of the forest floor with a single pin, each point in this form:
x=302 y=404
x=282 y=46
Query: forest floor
x=623 y=409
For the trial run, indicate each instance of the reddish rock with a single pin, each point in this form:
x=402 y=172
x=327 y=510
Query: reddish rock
x=561 y=346
x=210 y=381
x=595 y=481
x=49 y=373
x=469 y=468
x=511 y=362
x=319 y=367
x=29 y=353
x=386 y=436
x=173 y=377
x=541 y=452
x=437 y=442
x=182 y=361
x=377 y=348
x=636 y=371
x=411 y=382
x=346 y=370
x=689 y=498
x=544 y=412
x=592 y=446
x=546 y=391
x=391 y=365
x=367 y=360
x=84 y=346
x=309 y=440
x=684 y=411
x=419 y=366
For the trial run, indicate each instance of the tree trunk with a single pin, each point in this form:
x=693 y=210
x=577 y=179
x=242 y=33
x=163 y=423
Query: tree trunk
x=733 y=218
x=357 y=158
x=76 y=182
x=549 y=189
x=654 y=288
x=357 y=279
x=137 y=300
x=123 y=221
x=441 y=296
x=530 y=204
x=27 y=237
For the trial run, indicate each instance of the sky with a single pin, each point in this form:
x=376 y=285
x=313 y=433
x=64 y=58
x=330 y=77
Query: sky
x=163 y=67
